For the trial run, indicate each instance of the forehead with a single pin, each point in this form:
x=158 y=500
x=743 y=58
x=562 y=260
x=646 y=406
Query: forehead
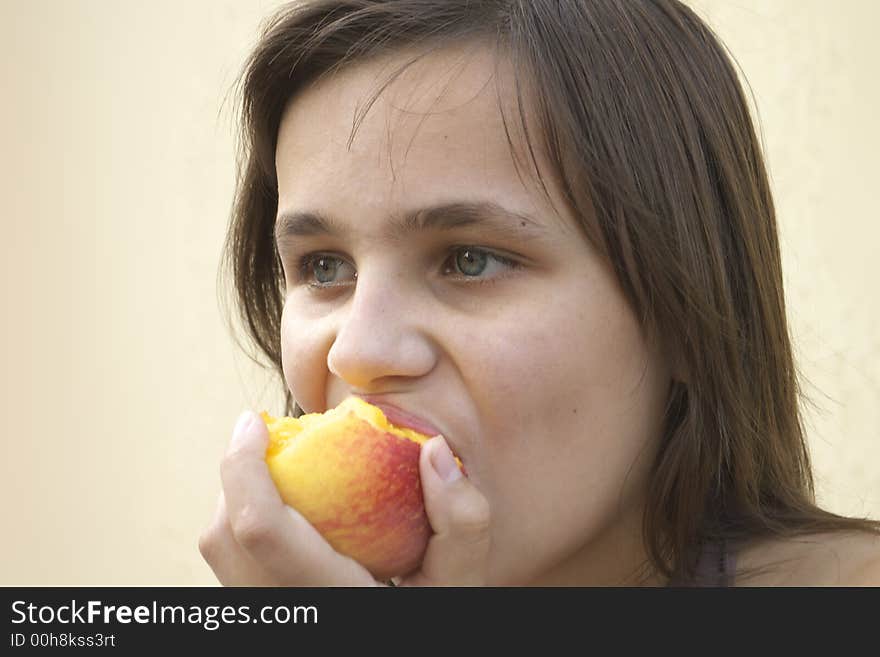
x=438 y=128
x=450 y=91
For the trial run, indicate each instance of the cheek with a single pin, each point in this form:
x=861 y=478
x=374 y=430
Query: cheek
x=573 y=410
x=303 y=359
x=565 y=364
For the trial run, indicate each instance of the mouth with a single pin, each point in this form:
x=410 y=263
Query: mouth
x=401 y=418
x=404 y=419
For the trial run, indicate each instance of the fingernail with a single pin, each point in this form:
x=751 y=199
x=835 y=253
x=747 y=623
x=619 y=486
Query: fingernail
x=444 y=462
x=242 y=425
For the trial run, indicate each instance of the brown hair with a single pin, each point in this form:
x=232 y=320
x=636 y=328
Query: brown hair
x=649 y=136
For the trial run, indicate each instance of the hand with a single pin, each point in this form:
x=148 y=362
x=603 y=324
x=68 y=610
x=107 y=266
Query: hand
x=257 y=540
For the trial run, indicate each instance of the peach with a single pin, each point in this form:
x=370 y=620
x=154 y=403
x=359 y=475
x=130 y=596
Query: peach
x=355 y=477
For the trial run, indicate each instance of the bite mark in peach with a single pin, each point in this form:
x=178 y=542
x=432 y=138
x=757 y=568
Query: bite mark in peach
x=355 y=477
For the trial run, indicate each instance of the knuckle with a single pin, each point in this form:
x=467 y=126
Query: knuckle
x=207 y=545
x=472 y=517
x=252 y=530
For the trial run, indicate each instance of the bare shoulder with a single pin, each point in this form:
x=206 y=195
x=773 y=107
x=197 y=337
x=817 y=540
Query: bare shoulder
x=826 y=559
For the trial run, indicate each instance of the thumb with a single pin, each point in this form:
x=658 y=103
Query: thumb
x=459 y=515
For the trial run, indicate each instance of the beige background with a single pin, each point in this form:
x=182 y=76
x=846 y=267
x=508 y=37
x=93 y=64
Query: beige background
x=121 y=381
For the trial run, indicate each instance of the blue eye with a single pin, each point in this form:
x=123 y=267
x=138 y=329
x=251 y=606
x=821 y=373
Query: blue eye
x=323 y=267
x=319 y=270
x=471 y=262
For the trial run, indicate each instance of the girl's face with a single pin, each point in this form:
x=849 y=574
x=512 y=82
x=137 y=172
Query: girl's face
x=493 y=319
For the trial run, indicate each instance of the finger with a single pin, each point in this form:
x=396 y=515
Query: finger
x=274 y=534
x=458 y=551
x=231 y=564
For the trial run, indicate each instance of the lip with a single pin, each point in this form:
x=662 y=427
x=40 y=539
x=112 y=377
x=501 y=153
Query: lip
x=401 y=418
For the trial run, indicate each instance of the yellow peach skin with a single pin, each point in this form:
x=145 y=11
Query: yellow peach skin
x=355 y=477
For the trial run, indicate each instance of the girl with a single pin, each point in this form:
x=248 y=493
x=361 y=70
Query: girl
x=545 y=229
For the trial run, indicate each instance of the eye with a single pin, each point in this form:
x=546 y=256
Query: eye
x=321 y=270
x=323 y=266
x=472 y=262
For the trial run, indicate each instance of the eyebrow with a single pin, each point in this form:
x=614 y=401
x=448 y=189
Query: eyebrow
x=487 y=215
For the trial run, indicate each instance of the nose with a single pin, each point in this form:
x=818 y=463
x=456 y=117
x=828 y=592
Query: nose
x=381 y=335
